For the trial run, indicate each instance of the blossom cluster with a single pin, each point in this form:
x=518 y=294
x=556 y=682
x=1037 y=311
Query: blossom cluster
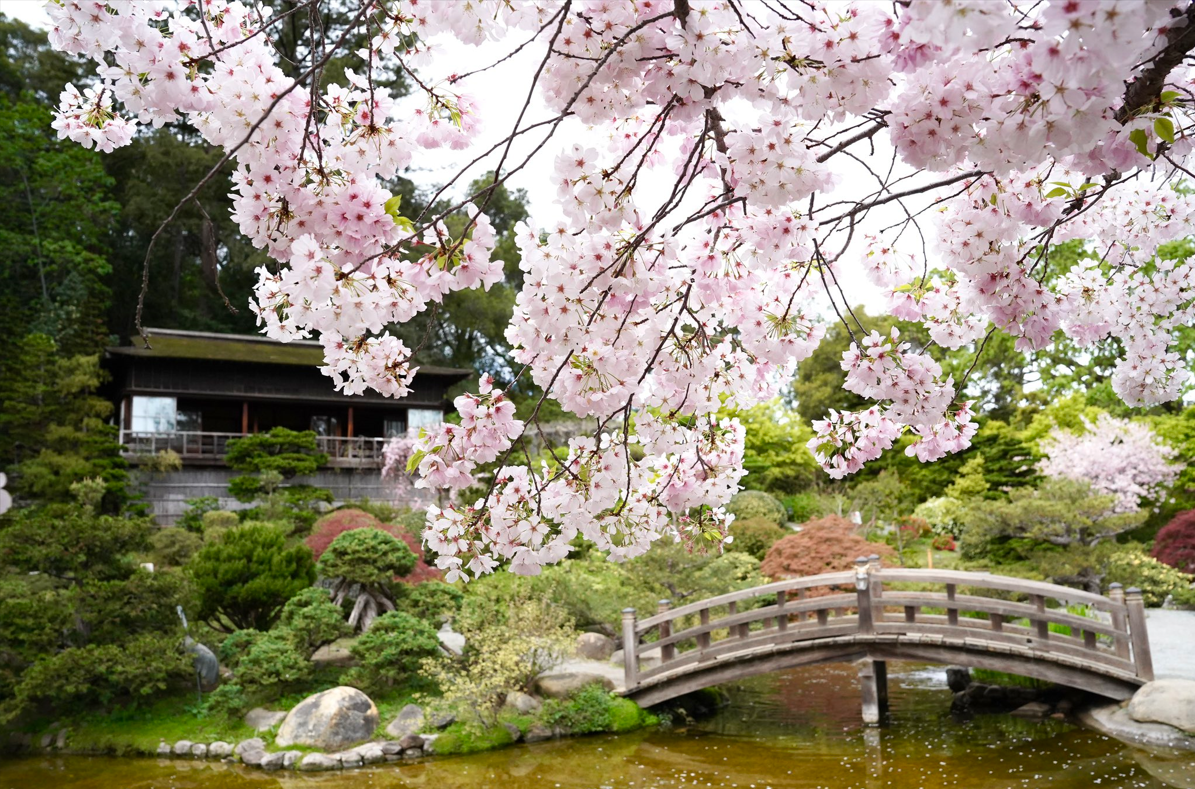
x=652 y=314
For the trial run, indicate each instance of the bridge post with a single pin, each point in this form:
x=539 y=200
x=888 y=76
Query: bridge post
x=668 y=651
x=873 y=674
x=1119 y=623
x=630 y=648
x=1139 y=634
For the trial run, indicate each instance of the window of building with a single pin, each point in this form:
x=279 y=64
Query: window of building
x=423 y=417
x=394 y=426
x=154 y=414
x=325 y=425
x=189 y=422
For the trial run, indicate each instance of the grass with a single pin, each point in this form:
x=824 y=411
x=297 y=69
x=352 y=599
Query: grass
x=138 y=730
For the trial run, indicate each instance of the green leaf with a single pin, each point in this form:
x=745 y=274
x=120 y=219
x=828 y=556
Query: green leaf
x=392 y=206
x=1057 y=191
x=1138 y=138
x=415 y=459
x=992 y=199
x=1164 y=128
x=1168 y=96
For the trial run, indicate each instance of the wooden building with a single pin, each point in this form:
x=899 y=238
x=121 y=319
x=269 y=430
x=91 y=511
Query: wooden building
x=193 y=391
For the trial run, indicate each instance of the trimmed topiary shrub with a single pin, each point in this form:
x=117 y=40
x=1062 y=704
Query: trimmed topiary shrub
x=1175 y=543
x=366 y=563
x=244 y=579
x=433 y=601
x=749 y=504
x=310 y=620
x=755 y=536
x=824 y=545
x=172 y=547
x=392 y=650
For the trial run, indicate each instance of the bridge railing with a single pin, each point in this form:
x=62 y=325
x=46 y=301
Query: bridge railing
x=993 y=611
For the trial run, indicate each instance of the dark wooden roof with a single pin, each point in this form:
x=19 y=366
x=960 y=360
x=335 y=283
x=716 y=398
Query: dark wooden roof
x=187 y=363
x=252 y=348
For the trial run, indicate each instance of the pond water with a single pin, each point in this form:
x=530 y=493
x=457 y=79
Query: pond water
x=793 y=730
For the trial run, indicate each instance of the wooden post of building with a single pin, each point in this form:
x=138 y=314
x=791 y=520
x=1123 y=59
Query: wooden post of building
x=349 y=434
x=1139 y=634
x=668 y=651
x=244 y=417
x=629 y=648
x=1119 y=621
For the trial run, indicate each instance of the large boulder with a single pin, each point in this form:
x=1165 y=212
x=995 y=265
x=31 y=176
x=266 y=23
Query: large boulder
x=410 y=720
x=331 y=721
x=564 y=685
x=594 y=646
x=1169 y=701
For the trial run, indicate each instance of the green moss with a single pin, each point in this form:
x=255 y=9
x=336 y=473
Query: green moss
x=461 y=738
x=625 y=715
x=140 y=729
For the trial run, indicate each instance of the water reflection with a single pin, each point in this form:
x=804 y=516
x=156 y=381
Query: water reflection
x=795 y=730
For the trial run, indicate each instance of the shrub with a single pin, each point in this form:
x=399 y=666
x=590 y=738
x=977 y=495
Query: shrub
x=70 y=543
x=172 y=547
x=1131 y=566
x=272 y=662
x=334 y=524
x=310 y=620
x=943 y=514
x=943 y=542
x=193 y=519
x=1175 y=543
x=227 y=701
x=365 y=563
x=749 y=504
x=803 y=506
x=97 y=676
x=588 y=711
x=246 y=578
x=433 y=601
x=505 y=652
x=755 y=536
x=218 y=521
x=392 y=650
x=913 y=528
x=144 y=602
x=237 y=645
x=825 y=545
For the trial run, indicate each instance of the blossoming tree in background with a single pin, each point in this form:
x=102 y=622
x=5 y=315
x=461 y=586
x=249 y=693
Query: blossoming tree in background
x=941 y=147
x=1118 y=457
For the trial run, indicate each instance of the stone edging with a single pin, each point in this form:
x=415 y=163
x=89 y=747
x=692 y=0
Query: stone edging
x=1112 y=719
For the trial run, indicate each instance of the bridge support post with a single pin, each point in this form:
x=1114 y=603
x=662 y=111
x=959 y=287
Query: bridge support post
x=873 y=684
x=1139 y=635
x=630 y=644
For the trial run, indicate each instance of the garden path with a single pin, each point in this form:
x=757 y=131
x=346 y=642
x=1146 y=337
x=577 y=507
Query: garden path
x=1172 y=642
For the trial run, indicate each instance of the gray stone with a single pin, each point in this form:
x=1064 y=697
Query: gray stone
x=183 y=748
x=164 y=748
x=318 y=762
x=1168 y=701
x=392 y=747
x=645 y=662
x=371 y=753
x=562 y=686
x=1034 y=709
x=452 y=642
x=409 y=720
x=349 y=758
x=958 y=678
x=1113 y=719
x=219 y=750
x=537 y=733
x=335 y=655
x=413 y=753
x=331 y=720
x=410 y=741
x=594 y=646
x=47 y=739
x=251 y=751
x=516 y=733
x=60 y=743
x=429 y=743
x=443 y=720
x=261 y=719
x=522 y=703
x=273 y=761
x=291 y=758
x=199 y=750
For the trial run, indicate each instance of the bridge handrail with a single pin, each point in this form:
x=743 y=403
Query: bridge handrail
x=1123 y=648
x=1001 y=583
x=846 y=578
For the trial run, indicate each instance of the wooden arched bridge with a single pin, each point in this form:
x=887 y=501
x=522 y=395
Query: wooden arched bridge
x=875 y=614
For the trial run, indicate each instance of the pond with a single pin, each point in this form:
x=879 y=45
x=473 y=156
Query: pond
x=792 y=730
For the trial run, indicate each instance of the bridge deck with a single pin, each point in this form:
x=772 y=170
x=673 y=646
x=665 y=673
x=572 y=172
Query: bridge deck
x=1008 y=624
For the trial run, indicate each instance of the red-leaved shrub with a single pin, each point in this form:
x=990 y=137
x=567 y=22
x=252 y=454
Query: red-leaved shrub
x=1175 y=544
x=336 y=523
x=825 y=545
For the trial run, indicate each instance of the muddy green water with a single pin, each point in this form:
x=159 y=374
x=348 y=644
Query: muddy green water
x=797 y=730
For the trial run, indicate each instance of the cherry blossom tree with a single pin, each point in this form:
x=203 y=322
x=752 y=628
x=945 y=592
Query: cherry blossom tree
x=939 y=147
x=1118 y=457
